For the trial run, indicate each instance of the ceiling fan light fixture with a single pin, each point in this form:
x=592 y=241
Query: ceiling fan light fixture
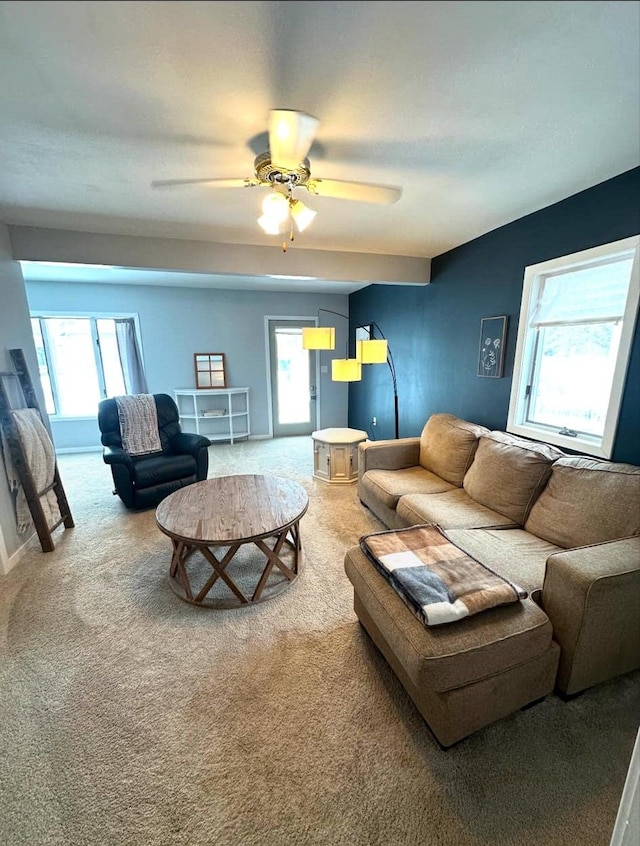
x=302 y=215
x=275 y=207
x=268 y=225
x=285 y=166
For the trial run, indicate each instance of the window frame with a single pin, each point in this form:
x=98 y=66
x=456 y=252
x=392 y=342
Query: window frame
x=93 y=317
x=517 y=424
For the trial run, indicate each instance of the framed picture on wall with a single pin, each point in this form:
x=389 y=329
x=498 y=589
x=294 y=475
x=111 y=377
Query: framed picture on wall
x=493 y=331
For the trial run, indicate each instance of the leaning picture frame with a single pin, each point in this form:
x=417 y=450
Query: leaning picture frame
x=493 y=332
x=209 y=370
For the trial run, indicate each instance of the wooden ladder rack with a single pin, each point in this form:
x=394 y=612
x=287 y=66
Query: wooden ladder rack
x=17 y=388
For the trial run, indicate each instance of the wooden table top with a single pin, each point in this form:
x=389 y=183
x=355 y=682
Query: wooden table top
x=232 y=508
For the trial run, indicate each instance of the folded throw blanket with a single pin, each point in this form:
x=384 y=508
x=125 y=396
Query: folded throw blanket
x=138 y=418
x=40 y=457
x=438 y=581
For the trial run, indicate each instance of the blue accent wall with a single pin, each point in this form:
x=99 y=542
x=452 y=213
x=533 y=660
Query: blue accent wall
x=434 y=330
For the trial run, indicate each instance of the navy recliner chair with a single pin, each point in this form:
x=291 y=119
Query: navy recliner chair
x=142 y=481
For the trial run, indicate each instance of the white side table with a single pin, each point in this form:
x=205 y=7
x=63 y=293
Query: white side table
x=335 y=455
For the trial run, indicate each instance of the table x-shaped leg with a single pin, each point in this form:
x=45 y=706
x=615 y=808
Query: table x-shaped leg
x=182 y=551
x=273 y=559
x=219 y=571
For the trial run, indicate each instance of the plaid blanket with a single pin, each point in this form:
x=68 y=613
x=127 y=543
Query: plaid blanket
x=438 y=581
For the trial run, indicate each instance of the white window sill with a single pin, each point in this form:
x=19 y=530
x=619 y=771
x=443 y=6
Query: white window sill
x=590 y=446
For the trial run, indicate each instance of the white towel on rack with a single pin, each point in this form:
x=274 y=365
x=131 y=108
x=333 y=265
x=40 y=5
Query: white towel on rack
x=40 y=457
x=138 y=417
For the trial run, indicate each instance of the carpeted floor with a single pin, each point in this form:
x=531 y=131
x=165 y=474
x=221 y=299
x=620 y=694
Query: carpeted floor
x=130 y=718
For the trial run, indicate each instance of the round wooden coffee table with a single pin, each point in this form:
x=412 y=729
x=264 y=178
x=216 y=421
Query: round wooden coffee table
x=229 y=512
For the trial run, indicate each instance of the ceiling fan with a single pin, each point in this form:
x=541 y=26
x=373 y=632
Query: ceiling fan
x=285 y=166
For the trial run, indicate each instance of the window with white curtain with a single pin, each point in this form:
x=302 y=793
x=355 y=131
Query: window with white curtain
x=84 y=359
x=577 y=321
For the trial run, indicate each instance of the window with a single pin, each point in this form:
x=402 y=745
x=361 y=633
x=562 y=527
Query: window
x=82 y=360
x=576 y=326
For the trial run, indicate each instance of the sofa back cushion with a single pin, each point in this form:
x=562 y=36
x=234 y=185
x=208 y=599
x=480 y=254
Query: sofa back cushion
x=509 y=473
x=586 y=501
x=447 y=446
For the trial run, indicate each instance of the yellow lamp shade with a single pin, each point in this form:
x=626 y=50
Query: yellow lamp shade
x=372 y=351
x=318 y=338
x=346 y=370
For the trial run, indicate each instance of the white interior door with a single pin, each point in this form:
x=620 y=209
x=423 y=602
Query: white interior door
x=293 y=379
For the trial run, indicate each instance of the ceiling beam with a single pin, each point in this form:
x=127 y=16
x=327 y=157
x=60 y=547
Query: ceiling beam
x=70 y=247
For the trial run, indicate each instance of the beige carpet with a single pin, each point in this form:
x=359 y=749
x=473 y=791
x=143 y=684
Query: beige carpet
x=130 y=717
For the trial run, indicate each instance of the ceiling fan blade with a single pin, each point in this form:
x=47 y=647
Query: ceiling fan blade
x=290 y=137
x=359 y=191
x=212 y=183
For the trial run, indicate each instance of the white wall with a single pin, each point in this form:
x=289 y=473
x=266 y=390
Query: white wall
x=15 y=333
x=176 y=322
x=626 y=831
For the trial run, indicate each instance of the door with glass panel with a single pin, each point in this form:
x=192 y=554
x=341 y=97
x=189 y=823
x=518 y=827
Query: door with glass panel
x=293 y=379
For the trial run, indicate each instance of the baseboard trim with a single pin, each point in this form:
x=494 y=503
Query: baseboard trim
x=65 y=450
x=11 y=561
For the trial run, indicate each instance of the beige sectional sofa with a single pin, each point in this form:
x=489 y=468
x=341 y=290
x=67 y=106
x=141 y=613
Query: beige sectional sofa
x=565 y=528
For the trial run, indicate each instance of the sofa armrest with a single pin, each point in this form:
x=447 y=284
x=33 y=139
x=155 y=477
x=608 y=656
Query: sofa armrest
x=592 y=597
x=388 y=455
x=117 y=455
x=186 y=443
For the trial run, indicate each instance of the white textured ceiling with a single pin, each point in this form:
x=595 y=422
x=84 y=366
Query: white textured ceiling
x=481 y=112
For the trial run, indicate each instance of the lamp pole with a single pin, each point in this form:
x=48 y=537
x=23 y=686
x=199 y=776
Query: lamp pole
x=390 y=363
x=392 y=369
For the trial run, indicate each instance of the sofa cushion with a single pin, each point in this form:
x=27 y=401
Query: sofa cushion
x=508 y=473
x=447 y=446
x=453 y=509
x=451 y=656
x=512 y=553
x=389 y=485
x=586 y=501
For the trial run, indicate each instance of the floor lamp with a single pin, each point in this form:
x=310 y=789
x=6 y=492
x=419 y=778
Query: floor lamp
x=370 y=350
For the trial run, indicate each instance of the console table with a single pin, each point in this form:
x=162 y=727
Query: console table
x=220 y=414
x=335 y=454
